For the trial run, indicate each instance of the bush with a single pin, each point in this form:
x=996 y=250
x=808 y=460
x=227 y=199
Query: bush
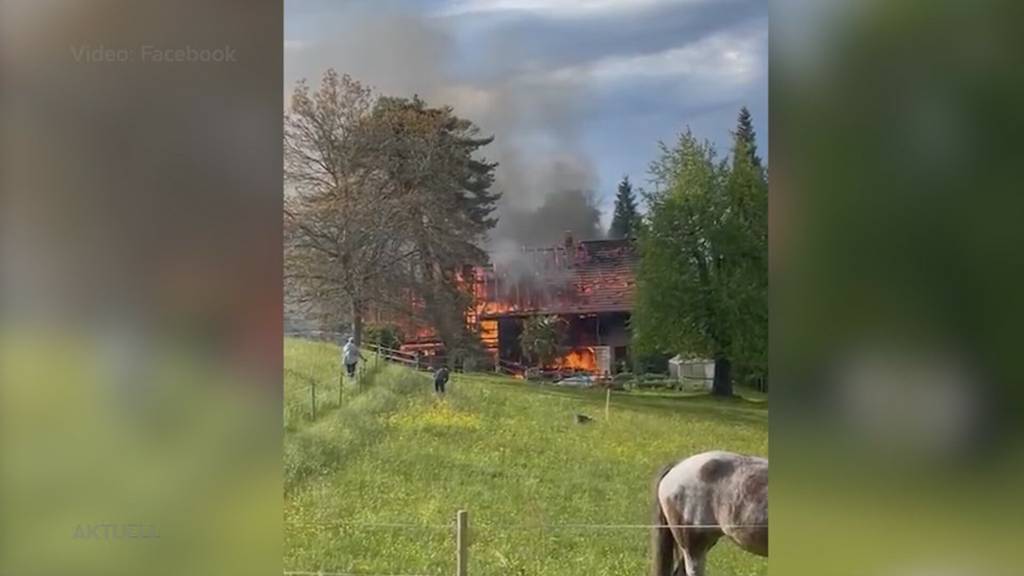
x=655 y=381
x=384 y=335
x=542 y=337
x=652 y=362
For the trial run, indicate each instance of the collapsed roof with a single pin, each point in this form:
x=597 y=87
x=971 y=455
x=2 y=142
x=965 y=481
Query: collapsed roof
x=594 y=276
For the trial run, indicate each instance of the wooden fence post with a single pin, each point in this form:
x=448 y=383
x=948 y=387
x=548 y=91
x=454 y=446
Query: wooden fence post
x=607 y=402
x=312 y=389
x=462 y=543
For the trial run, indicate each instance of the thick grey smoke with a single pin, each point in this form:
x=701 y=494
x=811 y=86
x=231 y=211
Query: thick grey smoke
x=565 y=210
x=544 y=175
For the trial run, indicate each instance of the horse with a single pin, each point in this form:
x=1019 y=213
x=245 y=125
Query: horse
x=700 y=499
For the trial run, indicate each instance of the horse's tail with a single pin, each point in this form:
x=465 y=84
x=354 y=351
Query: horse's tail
x=662 y=541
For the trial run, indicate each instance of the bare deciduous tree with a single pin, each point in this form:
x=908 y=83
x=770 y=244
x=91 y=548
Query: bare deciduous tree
x=385 y=202
x=339 y=210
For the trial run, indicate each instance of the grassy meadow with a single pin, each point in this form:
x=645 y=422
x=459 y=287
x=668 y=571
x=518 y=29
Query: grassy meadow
x=372 y=485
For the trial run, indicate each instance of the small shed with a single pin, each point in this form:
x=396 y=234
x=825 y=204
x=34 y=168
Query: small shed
x=692 y=370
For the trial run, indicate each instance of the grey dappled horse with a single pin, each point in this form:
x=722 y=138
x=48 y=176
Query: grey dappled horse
x=701 y=498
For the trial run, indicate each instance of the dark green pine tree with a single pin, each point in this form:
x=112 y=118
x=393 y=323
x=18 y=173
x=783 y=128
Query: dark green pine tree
x=433 y=155
x=747 y=225
x=745 y=133
x=626 y=217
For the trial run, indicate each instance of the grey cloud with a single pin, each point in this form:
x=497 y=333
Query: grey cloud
x=501 y=71
x=530 y=40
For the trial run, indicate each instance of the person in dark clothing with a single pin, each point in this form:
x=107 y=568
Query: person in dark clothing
x=440 y=379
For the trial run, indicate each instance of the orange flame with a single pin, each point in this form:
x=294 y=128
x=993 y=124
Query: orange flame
x=489 y=333
x=582 y=359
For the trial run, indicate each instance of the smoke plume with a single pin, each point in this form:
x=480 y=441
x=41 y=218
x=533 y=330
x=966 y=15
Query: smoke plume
x=545 y=177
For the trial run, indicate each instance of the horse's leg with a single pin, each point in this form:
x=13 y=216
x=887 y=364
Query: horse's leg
x=680 y=562
x=674 y=519
x=694 y=563
x=681 y=569
x=695 y=550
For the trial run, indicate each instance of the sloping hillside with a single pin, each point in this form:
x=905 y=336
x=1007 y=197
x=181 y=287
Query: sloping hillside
x=372 y=487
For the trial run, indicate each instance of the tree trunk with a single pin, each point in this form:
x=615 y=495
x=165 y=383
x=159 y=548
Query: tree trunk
x=722 y=384
x=357 y=323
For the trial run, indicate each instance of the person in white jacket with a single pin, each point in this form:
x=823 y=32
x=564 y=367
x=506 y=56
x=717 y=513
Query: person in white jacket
x=350 y=357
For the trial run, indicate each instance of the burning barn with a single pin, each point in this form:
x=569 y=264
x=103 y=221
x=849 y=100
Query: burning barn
x=588 y=285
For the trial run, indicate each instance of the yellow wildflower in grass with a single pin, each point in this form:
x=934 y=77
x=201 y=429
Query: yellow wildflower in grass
x=436 y=415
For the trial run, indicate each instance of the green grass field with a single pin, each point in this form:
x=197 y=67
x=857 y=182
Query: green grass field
x=372 y=486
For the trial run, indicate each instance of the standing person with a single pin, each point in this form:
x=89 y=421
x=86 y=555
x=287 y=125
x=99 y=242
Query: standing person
x=350 y=356
x=440 y=379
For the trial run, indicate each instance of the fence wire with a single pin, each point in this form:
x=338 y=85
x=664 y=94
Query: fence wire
x=514 y=526
x=352 y=525
x=322 y=573
x=485 y=540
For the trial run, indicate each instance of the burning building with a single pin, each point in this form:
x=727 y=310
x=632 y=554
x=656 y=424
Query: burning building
x=588 y=285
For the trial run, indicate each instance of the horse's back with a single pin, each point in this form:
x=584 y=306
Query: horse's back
x=708 y=468
x=721 y=489
x=688 y=487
